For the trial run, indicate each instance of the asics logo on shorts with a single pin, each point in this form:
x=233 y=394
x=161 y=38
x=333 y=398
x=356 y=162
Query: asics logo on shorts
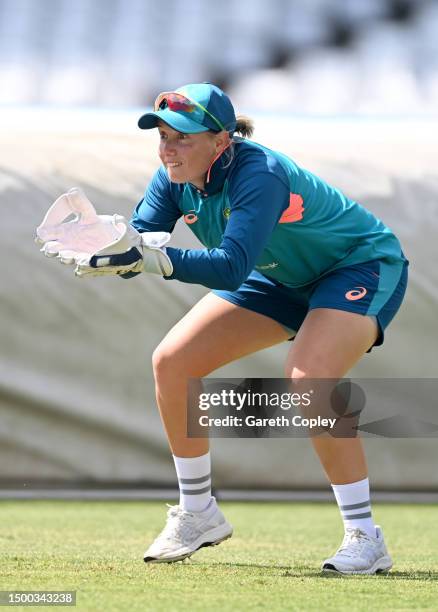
x=356 y=294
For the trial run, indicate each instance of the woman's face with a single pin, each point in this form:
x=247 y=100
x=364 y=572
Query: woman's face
x=187 y=157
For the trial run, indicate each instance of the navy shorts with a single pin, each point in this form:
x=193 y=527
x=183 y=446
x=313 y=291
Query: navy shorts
x=374 y=288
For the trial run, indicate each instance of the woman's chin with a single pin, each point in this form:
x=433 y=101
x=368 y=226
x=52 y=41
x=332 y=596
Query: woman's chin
x=176 y=176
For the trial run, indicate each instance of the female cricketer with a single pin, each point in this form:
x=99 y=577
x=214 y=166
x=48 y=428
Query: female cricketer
x=286 y=256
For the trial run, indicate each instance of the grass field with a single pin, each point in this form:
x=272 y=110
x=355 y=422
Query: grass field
x=272 y=562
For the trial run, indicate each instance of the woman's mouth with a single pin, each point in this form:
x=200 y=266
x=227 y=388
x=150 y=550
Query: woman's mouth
x=173 y=164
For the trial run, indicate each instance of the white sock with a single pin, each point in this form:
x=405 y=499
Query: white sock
x=194 y=480
x=355 y=505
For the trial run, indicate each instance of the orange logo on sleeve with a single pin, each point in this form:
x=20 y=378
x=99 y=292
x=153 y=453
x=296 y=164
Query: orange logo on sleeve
x=356 y=294
x=294 y=212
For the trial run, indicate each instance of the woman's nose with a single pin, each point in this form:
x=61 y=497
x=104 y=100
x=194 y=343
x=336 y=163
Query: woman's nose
x=169 y=148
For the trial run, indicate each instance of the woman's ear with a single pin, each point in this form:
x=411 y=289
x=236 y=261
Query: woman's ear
x=222 y=141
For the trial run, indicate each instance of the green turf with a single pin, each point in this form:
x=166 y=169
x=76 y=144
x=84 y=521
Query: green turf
x=272 y=562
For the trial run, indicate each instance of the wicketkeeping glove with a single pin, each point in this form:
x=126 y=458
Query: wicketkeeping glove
x=149 y=255
x=100 y=244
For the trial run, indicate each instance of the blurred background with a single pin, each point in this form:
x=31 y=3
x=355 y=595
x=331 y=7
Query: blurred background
x=348 y=88
x=300 y=56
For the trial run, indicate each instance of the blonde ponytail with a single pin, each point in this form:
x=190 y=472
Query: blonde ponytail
x=244 y=126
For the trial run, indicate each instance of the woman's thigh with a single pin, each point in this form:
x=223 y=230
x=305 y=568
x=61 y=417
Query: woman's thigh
x=213 y=333
x=329 y=343
x=349 y=310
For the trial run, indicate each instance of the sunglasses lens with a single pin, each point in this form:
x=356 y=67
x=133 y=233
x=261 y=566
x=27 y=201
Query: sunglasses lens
x=176 y=103
x=180 y=105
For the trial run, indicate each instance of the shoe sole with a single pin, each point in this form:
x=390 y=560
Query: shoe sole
x=189 y=554
x=381 y=566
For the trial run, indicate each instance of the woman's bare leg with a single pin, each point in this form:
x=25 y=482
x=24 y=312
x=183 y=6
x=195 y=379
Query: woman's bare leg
x=213 y=333
x=328 y=345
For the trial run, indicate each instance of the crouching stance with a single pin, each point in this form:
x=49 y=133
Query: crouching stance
x=287 y=257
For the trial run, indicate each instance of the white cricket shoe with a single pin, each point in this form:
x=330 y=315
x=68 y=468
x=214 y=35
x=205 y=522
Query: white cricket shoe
x=185 y=532
x=359 y=553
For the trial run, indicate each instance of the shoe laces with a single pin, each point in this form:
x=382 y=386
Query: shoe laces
x=353 y=543
x=179 y=522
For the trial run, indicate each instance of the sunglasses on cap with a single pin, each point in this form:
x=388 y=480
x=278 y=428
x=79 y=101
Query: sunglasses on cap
x=178 y=103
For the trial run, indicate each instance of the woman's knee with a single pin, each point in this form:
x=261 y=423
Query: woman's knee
x=166 y=362
x=172 y=362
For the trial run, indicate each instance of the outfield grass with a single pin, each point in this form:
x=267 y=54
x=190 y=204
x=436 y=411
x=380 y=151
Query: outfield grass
x=272 y=561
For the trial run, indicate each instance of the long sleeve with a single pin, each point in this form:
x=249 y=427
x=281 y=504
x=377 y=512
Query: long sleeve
x=257 y=201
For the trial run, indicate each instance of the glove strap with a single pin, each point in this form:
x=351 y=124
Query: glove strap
x=155 y=258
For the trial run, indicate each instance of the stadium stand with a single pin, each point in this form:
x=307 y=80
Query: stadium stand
x=366 y=56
